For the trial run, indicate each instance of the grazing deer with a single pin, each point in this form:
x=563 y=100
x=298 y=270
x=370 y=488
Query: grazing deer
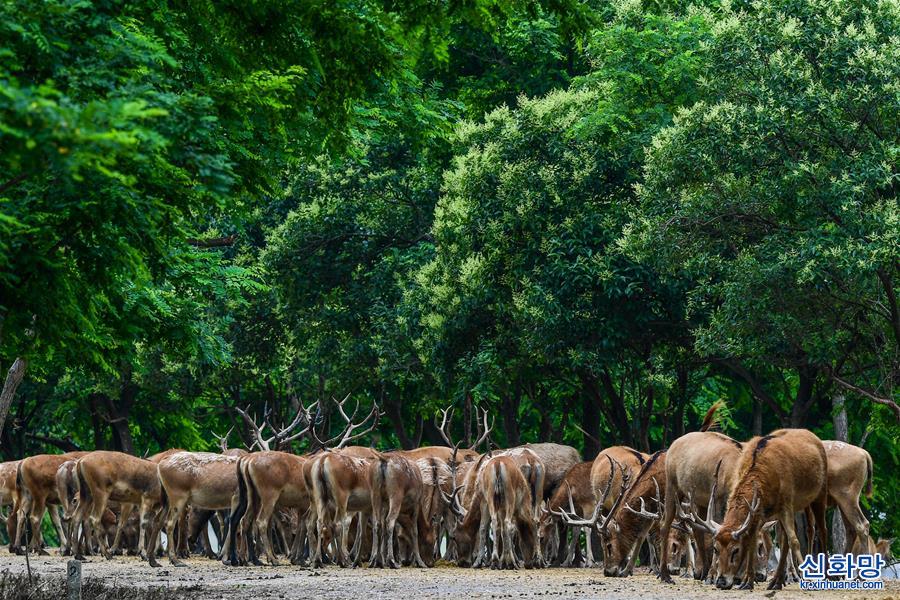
x=36 y=489
x=849 y=471
x=341 y=486
x=67 y=491
x=272 y=478
x=778 y=476
x=576 y=493
x=500 y=503
x=107 y=476
x=202 y=479
x=397 y=491
x=628 y=526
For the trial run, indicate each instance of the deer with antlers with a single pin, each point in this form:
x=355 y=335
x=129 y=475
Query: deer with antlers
x=574 y=491
x=503 y=500
x=209 y=481
x=397 y=492
x=277 y=479
x=274 y=479
x=778 y=476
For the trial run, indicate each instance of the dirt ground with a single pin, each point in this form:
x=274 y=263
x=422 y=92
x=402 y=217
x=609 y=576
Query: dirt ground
x=216 y=581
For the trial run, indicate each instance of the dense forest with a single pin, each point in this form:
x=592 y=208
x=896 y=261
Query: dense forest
x=591 y=218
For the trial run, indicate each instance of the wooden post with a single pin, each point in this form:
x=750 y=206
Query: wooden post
x=73 y=580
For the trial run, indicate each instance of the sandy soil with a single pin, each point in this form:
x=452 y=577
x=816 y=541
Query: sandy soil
x=216 y=581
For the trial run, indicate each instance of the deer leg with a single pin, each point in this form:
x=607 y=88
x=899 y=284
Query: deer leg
x=665 y=527
x=819 y=507
x=35 y=517
x=496 y=532
x=299 y=539
x=389 y=534
x=124 y=513
x=57 y=524
x=571 y=545
x=176 y=509
x=788 y=540
x=263 y=528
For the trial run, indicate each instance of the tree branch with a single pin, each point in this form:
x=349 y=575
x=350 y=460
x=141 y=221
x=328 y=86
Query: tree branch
x=66 y=445
x=867 y=394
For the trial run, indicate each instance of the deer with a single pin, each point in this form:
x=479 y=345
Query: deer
x=849 y=472
x=778 y=475
x=629 y=526
x=274 y=478
x=36 y=489
x=504 y=500
x=67 y=491
x=9 y=497
x=397 y=492
x=304 y=488
x=532 y=470
x=574 y=491
x=107 y=476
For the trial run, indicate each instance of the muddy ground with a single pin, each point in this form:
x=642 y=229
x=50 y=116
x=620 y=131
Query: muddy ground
x=211 y=580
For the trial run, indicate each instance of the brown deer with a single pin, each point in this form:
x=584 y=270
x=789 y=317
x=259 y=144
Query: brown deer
x=9 y=497
x=629 y=526
x=503 y=499
x=849 y=472
x=397 y=491
x=107 y=476
x=779 y=475
x=575 y=493
x=341 y=486
x=36 y=489
x=272 y=478
x=67 y=491
x=204 y=480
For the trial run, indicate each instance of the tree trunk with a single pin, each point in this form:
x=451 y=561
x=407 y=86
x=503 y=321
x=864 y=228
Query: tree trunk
x=804 y=399
x=757 y=416
x=590 y=422
x=395 y=412
x=13 y=379
x=97 y=422
x=511 y=417
x=120 y=412
x=841 y=433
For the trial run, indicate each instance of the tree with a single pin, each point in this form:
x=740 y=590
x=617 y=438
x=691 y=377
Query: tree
x=777 y=193
x=527 y=282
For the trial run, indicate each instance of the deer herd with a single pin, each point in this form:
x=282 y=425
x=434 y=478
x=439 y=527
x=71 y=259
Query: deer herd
x=709 y=506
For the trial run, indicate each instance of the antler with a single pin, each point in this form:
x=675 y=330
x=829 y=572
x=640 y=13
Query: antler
x=348 y=435
x=453 y=499
x=708 y=524
x=485 y=430
x=280 y=437
x=626 y=479
x=643 y=512
x=223 y=439
x=573 y=519
x=447 y=416
x=753 y=506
